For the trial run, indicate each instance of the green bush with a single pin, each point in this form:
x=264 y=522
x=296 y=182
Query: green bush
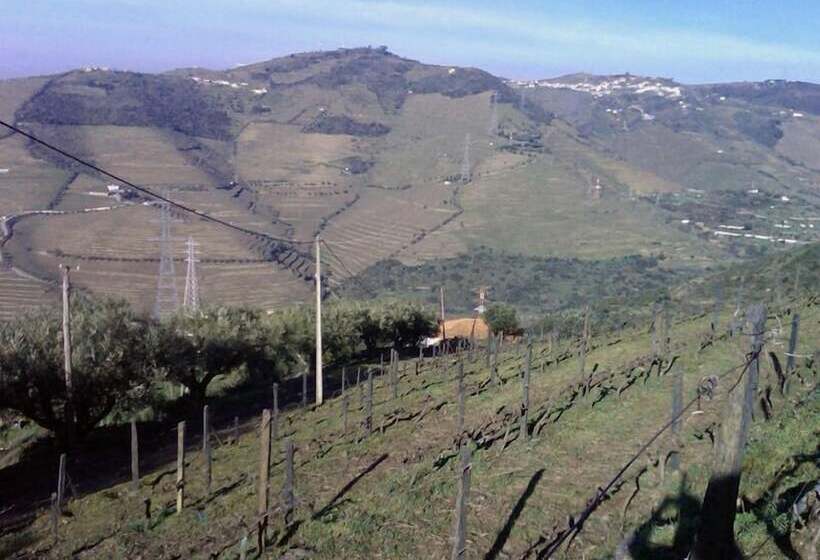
x=502 y=318
x=110 y=364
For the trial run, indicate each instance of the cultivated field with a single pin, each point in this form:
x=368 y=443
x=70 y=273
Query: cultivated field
x=18 y=293
x=392 y=493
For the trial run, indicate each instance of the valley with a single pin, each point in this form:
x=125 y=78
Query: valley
x=389 y=158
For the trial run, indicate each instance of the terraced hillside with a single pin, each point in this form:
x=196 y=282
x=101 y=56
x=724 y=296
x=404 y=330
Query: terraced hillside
x=19 y=293
x=388 y=157
x=391 y=491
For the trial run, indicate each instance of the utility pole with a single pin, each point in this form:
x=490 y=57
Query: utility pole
x=69 y=381
x=319 y=396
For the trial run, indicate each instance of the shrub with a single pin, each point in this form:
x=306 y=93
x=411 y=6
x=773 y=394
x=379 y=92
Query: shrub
x=110 y=364
x=502 y=318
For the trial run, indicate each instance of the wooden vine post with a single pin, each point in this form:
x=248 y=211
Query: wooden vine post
x=461 y=401
x=715 y=538
x=206 y=448
x=368 y=420
x=288 y=493
x=61 y=479
x=275 y=414
x=525 y=395
x=790 y=358
x=584 y=338
x=263 y=478
x=677 y=409
x=135 y=458
x=180 y=466
x=462 y=500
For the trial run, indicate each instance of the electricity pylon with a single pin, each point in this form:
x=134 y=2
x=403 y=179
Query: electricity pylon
x=167 y=300
x=493 y=128
x=190 y=300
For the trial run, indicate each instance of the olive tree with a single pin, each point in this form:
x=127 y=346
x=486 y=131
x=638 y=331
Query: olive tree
x=195 y=348
x=110 y=365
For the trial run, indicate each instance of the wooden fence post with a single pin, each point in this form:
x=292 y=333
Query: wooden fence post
x=61 y=478
x=180 y=466
x=462 y=500
x=288 y=492
x=263 y=479
x=715 y=537
x=206 y=447
x=135 y=458
x=461 y=401
x=235 y=430
x=275 y=415
x=790 y=357
x=666 y=342
x=584 y=337
x=677 y=409
x=368 y=420
x=654 y=330
x=494 y=361
x=345 y=406
x=359 y=387
x=394 y=373
x=525 y=396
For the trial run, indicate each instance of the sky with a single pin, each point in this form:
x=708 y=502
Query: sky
x=693 y=41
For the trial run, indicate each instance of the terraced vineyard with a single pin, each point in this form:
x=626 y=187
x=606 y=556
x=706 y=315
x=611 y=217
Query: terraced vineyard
x=117 y=254
x=371 y=150
x=18 y=293
x=390 y=492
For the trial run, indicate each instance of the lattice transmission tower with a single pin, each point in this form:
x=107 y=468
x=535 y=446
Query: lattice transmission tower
x=492 y=129
x=167 y=301
x=465 y=162
x=190 y=300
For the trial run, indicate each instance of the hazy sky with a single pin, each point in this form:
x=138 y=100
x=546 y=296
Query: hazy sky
x=690 y=40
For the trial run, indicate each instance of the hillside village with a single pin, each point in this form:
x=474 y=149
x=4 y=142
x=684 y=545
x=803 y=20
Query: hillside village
x=350 y=304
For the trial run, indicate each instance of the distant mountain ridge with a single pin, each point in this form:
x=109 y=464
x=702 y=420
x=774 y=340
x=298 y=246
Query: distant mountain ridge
x=391 y=158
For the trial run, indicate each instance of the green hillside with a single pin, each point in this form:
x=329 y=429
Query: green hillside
x=391 y=493
x=391 y=159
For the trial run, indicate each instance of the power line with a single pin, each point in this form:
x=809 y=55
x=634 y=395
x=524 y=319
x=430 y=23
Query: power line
x=183 y=207
x=352 y=276
x=151 y=193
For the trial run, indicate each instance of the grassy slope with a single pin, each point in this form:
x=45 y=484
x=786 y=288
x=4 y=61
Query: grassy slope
x=401 y=506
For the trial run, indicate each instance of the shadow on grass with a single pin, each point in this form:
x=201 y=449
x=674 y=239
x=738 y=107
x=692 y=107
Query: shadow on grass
x=504 y=534
x=334 y=502
x=682 y=509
